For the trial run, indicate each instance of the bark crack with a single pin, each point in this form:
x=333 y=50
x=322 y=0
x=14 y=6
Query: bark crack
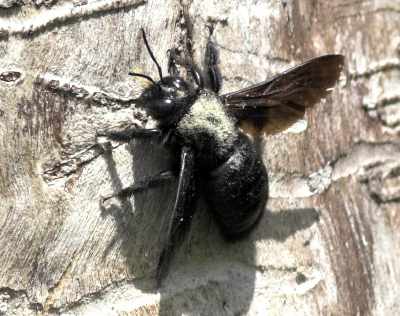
x=64 y=86
x=67 y=12
x=21 y=298
x=376 y=67
x=358 y=161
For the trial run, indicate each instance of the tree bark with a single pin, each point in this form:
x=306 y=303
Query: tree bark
x=329 y=242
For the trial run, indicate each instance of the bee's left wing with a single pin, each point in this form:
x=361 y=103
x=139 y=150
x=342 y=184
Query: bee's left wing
x=181 y=215
x=277 y=103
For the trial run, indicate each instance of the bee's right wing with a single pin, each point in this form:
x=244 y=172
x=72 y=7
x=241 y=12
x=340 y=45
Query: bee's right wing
x=275 y=104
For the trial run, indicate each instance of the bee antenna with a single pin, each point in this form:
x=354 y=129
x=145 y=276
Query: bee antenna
x=151 y=53
x=142 y=75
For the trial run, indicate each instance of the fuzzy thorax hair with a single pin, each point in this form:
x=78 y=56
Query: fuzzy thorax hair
x=207 y=116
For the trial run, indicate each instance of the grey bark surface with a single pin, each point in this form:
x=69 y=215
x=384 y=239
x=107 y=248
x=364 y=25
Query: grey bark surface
x=329 y=242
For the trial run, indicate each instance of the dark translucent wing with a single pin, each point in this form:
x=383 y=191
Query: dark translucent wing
x=279 y=102
x=182 y=213
x=269 y=120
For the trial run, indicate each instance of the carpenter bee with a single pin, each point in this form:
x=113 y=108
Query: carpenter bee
x=216 y=157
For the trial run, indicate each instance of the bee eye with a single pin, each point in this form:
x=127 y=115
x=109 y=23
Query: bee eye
x=168 y=90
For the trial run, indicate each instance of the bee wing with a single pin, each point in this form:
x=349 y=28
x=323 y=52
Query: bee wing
x=182 y=213
x=275 y=104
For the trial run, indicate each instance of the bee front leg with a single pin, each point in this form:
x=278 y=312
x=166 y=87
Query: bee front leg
x=174 y=60
x=125 y=136
x=211 y=62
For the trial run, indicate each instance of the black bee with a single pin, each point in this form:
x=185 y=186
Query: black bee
x=216 y=157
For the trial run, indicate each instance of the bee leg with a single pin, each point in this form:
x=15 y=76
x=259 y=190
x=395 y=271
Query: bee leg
x=141 y=185
x=174 y=60
x=197 y=76
x=181 y=216
x=211 y=62
x=128 y=134
x=172 y=57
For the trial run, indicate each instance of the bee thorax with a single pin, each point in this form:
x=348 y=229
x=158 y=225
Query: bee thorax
x=207 y=126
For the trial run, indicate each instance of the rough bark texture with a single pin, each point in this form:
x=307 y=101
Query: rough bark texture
x=329 y=242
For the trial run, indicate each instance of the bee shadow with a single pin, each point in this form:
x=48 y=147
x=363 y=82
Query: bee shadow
x=285 y=223
x=140 y=219
x=212 y=274
x=193 y=284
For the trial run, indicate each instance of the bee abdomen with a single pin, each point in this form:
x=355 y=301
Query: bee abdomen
x=237 y=190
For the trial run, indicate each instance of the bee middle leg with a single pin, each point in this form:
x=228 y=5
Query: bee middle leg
x=141 y=185
x=128 y=134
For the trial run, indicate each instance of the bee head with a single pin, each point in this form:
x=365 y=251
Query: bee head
x=167 y=99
